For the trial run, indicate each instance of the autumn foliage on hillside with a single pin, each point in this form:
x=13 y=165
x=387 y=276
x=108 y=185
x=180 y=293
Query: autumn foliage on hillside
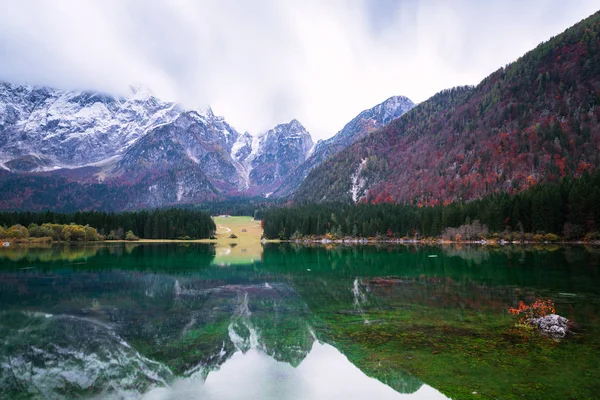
x=536 y=120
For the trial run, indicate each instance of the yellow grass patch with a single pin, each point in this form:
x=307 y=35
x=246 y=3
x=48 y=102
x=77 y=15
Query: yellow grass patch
x=245 y=228
x=246 y=248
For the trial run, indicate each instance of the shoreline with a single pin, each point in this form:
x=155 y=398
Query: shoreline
x=140 y=241
x=362 y=241
x=437 y=242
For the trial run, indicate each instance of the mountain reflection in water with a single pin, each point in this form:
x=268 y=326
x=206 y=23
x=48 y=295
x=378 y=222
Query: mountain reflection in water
x=187 y=322
x=324 y=374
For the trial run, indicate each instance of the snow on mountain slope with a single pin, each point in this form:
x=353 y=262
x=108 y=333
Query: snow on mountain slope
x=192 y=144
x=221 y=160
x=71 y=129
x=275 y=154
x=240 y=152
x=158 y=151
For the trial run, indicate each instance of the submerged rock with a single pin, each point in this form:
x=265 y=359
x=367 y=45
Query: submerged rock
x=552 y=325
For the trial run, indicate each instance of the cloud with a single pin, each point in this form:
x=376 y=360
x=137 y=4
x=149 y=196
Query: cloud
x=264 y=62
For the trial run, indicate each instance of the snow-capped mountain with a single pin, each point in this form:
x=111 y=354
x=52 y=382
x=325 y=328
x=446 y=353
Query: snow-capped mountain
x=364 y=123
x=218 y=158
x=276 y=153
x=44 y=129
x=162 y=152
x=192 y=142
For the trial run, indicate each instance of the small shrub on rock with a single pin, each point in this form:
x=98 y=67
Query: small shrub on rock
x=538 y=309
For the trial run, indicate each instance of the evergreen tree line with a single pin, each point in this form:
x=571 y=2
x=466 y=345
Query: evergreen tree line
x=170 y=223
x=569 y=208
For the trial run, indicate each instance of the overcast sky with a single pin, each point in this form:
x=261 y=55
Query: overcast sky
x=263 y=62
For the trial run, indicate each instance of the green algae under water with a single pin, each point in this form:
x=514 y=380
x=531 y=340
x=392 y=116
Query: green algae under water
x=162 y=321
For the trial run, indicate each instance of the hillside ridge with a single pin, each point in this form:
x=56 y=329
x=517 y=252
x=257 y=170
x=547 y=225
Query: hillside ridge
x=535 y=120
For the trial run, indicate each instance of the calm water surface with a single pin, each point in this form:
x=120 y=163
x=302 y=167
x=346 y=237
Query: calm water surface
x=366 y=322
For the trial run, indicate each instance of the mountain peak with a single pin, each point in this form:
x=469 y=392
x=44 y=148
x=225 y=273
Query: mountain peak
x=398 y=100
x=287 y=129
x=282 y=128
x=206 y=112
x=363 y=124
x=140 y=91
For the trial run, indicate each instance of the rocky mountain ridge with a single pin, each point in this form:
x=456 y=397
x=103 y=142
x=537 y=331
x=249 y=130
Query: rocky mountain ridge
x=364 y=123
x=43 y=129
x=158 y=152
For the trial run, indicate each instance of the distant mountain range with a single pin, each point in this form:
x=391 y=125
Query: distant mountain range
x=536 y=120
x=84 y=150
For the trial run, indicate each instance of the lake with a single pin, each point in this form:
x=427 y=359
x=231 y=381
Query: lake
x=191 y=321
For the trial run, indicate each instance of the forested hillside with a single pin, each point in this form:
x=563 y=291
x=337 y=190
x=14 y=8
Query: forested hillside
x=536 y=120
x=62 y=194
x=569 y=208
